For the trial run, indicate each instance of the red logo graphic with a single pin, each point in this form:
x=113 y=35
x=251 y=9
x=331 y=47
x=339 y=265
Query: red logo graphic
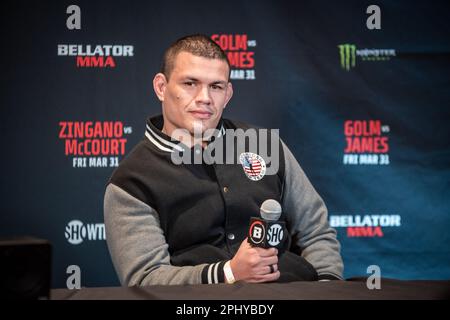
x=365 y=136
x=94 y=139
x=364 y=232
x=101 y=62
x=367 y=143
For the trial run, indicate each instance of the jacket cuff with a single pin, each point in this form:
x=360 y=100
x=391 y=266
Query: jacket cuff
x=328 y=276
x=213 y=273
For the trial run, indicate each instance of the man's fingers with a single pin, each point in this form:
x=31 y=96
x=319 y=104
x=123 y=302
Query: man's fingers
x=271 y=268
x=266 y=252
x=266 y=269
x=268 y=261
x=265 y=278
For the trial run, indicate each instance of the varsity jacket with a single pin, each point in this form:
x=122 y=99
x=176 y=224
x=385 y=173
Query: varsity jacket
x=178 y=223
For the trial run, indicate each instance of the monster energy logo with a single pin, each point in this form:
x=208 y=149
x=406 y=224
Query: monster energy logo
x=347 y=53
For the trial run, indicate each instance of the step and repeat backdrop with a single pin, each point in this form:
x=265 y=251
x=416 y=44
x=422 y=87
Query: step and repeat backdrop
x=361 y=96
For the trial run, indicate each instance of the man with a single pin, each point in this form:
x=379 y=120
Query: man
x=186 y=223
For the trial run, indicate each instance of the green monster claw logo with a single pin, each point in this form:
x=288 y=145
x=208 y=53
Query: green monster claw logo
x=347 y=53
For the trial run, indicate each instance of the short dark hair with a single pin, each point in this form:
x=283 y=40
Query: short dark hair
x=198 y=45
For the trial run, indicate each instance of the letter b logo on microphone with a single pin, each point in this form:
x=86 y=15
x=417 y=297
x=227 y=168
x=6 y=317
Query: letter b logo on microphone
x=257 y=231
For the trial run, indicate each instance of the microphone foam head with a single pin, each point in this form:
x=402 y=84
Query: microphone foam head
x=270 y=210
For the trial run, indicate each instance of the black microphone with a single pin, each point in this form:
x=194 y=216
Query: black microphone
x=267 y=232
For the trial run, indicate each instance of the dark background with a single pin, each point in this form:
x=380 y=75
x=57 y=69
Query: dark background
x=300 y=88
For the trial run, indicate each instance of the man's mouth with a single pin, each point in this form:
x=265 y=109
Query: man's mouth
x=201 y=114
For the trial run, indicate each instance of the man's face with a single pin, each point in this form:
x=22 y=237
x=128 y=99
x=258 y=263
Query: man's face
x=195 y=94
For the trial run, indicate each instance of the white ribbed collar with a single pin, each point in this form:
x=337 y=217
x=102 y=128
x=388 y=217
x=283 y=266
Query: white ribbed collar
x=165 y=143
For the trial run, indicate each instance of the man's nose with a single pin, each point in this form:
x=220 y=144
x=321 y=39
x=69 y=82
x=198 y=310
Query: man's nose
x=203 y=95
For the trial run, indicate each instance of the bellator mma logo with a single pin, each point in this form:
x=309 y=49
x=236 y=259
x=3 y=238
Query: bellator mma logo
x=366 y=143
x=240 y=54
x=94 y=144
x=95 y=56
x=365 y=225
x=257 y=231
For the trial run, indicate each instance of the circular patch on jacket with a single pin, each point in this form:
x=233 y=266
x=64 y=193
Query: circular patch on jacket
x=254 y=165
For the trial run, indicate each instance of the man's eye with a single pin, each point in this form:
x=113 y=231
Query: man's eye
x=189 y=83
x=216 y=87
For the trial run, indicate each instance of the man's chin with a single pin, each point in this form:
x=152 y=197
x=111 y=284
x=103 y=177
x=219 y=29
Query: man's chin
x=200 y=126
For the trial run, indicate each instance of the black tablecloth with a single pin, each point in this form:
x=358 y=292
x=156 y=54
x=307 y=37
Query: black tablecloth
x=354 y=289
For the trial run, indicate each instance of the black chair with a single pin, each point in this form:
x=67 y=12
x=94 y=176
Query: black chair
x=25 y=268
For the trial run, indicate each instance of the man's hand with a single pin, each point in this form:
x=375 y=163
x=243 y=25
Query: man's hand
x=253 y=264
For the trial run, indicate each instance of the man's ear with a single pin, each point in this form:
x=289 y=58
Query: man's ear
x=228 y=94
x=159 y=85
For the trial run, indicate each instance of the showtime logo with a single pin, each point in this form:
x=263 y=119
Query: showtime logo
x=240 y=54
x=76 y=232
x=365 y=225
x=95 y=56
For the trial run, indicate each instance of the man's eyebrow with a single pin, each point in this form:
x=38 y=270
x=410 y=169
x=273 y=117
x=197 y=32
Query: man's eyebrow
x=219 y=82
x=188 y=78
